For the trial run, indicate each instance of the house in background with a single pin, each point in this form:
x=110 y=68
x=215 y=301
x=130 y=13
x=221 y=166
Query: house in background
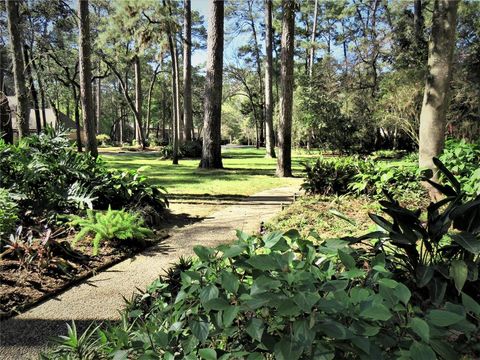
x=59 y=120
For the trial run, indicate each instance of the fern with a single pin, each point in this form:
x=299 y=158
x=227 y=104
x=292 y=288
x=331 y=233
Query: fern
x=109 y=225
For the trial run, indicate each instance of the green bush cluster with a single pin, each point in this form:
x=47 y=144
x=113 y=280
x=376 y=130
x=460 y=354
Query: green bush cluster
x=463 y=160
x=50 y=177
x=360 y=176
x=328 y=177
x=8 y=213
x=188 y=149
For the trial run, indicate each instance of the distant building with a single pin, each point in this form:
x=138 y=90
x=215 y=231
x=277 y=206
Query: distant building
x=51 y=119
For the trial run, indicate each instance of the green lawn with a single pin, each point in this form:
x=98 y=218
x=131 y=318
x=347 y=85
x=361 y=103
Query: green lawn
x=246 y=172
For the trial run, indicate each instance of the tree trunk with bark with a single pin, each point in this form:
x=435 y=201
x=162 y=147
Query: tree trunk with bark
x=86 y=78
x=98 y=104
x=6 y=131
x=175 y=97
x=312 y=40
x=435 y=100
x=284 y=162
x=33 y=89
x=138 y=99
x=23 y=105
x=270 y=137
x=187 y=72
x=149 y=100
x=212 y=150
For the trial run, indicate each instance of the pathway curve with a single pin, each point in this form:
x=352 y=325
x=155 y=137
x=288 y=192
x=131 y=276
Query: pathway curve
x=100 y=297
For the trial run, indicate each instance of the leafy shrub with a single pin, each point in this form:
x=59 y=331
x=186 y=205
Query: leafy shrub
x=103 y=139
x=284 y=297
x=446 y=247
x=374 y=177
x=49 y=176
x=463 y=160
x=191 y=149
x=109 y=225
x=329 y=176
x=8 y=213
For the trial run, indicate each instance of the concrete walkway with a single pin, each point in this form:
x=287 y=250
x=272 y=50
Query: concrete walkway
x=100 y=297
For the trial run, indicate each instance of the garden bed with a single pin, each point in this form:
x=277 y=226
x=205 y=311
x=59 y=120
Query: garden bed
x=25 y=285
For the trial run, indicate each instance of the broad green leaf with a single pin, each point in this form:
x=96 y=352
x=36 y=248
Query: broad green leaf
x=376 y=312
x=200 y=330
x=402 y=293
x=271 y=239
x=470 y=304
x=392 y=284
x=424 y=274
x=468 y=241
x=287 y=350
x=242 y=236
x=419 y=351
x=306 y=300
x=207 y=354
x=189 y=344
x=444 y=318
x=203 y=252
x=346 y=260
x=255 y=329
x=229 y=281
x=334 y=330
x=208 y=293
x=421 y=328
x=229 y=315
x=263 y=262
x=263 y=284
x=217 y=304
x=459 y=273
x=234 y=251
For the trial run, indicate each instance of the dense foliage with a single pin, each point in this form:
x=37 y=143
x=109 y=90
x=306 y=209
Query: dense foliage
x=48 y=177
x=8 y=212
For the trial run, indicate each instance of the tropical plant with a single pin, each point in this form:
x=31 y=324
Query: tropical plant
x=445 y=248
x=109 y=225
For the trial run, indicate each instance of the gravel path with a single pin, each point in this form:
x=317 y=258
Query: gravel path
x=100 y=297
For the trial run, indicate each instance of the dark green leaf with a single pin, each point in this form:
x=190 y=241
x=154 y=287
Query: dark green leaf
x=207 y=354
x=419 y=351
x=468 y=241
x=200 y=330
x=459 y=273
x=346 y=260
x=229 y=281
x=255 y=329
x=421 y=328
x=444 y=318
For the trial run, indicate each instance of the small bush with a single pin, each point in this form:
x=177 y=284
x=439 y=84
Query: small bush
x=463 y=160
x=329 y=176
x=8 y=213
x=191 y=149
x=103 y=139
x=110 y=225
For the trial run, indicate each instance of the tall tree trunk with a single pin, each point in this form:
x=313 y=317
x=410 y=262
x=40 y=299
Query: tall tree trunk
x=41 y=89
x=284 y=163
x=86 y=78
x=312 y=39
x=23 y=106
x=212 y=148
x=270 y=143
x=435 y=100
x=177 y=94
x=261 y=138
x=6 y=131
x=77 y=118
x=418 y=21
x=175 y=105
x=33 y=89
x=98 y=104
x=149 y=100
x=138 y=99
x=187 y=72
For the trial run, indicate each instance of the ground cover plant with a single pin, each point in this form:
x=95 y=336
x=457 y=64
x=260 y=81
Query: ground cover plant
x=43 y=183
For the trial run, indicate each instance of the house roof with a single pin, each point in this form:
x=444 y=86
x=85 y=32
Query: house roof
x=51 y=119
